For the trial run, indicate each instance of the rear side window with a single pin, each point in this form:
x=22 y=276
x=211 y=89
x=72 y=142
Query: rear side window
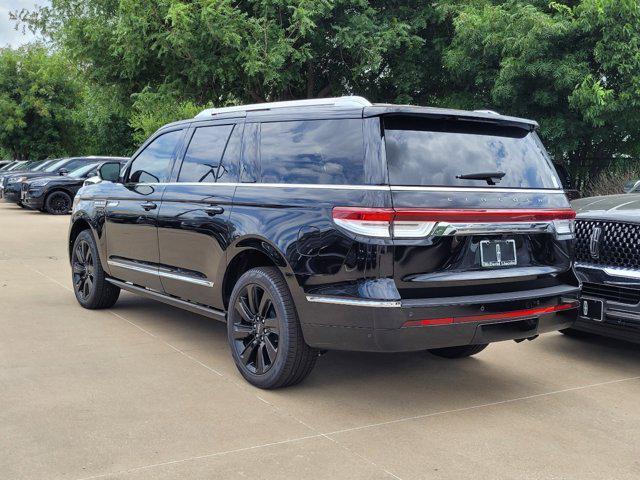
x=202 y=161
x=312 y=151
x=153 y=165
x=429 y=152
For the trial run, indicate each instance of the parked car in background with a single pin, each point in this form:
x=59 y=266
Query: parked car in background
x=62 y=166
x=54 y=194
x=335 y=224
x=4 y=163
x=632 y=186
x=13 y=165
x=608 y=265
x=10 y=177
x=8 y=166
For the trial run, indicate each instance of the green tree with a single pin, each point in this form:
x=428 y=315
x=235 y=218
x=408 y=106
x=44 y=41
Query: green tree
x=38 y=98
x=222 y=50
x=574 y=66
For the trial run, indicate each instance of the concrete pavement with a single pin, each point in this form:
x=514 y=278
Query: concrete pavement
x=146 y=391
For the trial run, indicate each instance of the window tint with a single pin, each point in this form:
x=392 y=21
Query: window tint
x=228 y=171
x=83 y=170
x=314 y=151
x=435 y=152
x=154 y=162
x=73 y=164
x=202 y=161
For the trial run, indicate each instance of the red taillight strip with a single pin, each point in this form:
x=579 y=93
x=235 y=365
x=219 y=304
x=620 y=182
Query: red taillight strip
x=531 y=312
x=453 y=215
x=364 y=214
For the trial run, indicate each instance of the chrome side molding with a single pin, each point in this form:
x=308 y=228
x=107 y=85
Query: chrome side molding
x=161 y=273
x=446 y=229
x=355 y=302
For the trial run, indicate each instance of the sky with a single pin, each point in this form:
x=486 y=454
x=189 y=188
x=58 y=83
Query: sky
x=8 y=34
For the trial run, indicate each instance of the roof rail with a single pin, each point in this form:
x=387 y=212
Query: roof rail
x=492 y=112
x=347 y=101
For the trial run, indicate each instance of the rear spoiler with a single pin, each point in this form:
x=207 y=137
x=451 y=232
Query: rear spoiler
x=483 y=116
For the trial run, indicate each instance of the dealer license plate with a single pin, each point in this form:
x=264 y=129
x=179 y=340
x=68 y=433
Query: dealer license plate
x=498 y=253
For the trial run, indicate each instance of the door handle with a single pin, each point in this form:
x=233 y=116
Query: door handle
x=211 y=211
x=149 y=206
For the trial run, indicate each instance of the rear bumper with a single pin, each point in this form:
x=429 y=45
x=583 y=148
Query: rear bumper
x=398 y=326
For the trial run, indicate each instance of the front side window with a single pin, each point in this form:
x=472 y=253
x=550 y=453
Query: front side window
x=312 y=151
x=73 y=164
x=83 y=171
x=455 y=153
x=153 y=164
x=202 y=161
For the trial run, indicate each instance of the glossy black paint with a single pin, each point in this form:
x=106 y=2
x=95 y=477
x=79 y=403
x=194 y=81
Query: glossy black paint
x=206 y=234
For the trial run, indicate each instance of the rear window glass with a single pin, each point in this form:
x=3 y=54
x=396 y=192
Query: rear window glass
x=312 y=151
x=436 y=152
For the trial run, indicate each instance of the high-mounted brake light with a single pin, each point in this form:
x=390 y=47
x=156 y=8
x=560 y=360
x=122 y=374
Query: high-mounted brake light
x=420 y=223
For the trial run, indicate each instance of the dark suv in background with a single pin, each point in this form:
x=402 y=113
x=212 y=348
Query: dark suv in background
x=336 y=224
x=9 y=189
x=608 y=265
x=55 y=194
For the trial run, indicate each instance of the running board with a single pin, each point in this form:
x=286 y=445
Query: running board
x=175 y=302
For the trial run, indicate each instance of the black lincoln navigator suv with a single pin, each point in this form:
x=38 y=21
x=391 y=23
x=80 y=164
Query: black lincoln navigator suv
x=335 y=224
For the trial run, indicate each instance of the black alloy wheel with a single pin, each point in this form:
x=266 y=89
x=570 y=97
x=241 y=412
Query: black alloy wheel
x=83 y=270
x=58 y=203
x=90 y=284
x=256 y=331
x=264 y=331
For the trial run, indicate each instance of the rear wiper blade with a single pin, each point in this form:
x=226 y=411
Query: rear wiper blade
x=490 y=177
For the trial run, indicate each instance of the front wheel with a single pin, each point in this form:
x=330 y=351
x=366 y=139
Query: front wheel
x=458 y=352
x=89 y=284
x=264 y=332
x=58 y=203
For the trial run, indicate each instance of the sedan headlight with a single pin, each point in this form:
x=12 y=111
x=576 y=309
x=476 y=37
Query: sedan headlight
x=16 y=179
x=38 y=183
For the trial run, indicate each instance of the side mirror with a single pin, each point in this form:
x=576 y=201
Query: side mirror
x=63 y=171
x=92 y=180
x=109 y=171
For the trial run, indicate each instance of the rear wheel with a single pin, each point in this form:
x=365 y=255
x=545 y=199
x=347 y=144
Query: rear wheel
x=264 y=332
x=58 y=203
x=458 y=352
x=89 y=284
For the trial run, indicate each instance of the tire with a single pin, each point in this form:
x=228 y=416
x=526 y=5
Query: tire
x=264 y=333
x=58 y=203
x=89 y=284
x=458 y=352
x=572 y=332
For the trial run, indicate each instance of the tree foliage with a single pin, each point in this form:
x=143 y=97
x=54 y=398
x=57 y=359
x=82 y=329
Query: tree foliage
x=573 y=65
x=38 y=99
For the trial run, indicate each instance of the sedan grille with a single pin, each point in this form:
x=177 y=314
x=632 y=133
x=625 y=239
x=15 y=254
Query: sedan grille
x=616 y=246
x=630 y=296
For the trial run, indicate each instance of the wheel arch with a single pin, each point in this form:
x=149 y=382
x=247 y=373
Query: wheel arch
x=250 y=253
x=79 y=223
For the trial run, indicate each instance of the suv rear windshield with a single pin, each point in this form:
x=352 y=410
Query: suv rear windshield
x=429 y=152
